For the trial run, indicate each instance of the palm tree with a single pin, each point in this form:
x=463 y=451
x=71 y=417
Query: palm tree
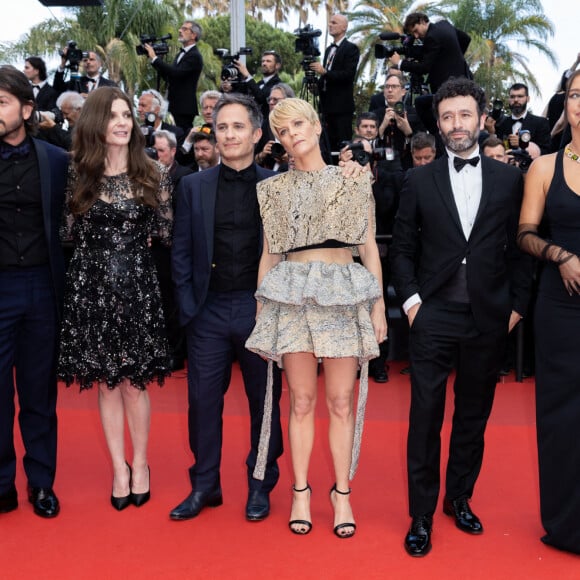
x=497 y=29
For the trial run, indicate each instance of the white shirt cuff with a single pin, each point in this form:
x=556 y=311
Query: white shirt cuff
x=410 y=302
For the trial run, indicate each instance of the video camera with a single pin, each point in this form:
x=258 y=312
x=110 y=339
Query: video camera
x=408 y=46
x=307 y=43
x=363 y=157
x=159 y=45
x=74 y=55
x=496 y=110
x=520 y=155
x=230 y=71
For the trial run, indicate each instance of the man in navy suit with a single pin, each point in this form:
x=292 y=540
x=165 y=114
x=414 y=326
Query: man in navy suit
x=182 y=76
x=215 y=257
x=464 y=285
x=32 y=181
x=336 y=83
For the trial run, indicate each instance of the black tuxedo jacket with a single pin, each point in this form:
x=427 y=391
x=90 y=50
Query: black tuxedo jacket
x=193 y=238
x=261 y=91
x=46 y=98
x=337 y=85
x=429 y=244
x=443 y=50
x=60 y=85
x=538 y=127
x=52 y=165
x=182 y=80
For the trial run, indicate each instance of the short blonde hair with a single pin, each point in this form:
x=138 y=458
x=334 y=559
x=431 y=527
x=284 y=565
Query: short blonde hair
x=288 y=109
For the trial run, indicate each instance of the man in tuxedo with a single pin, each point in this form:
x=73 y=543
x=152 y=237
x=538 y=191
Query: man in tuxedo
x=444 y=47
x=44 y=95
x=182 y=76
x=152 y=109
x=91 y=80
x=521 y=120
x=336 y=83
x=215 y=257
x=32 y=181
x=271 y=64
x=463 y=284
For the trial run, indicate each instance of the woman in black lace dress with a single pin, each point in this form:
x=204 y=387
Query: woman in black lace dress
x=113 y=331
x=552 y=191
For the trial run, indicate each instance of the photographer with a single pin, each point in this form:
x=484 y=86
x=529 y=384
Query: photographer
x=50 y=125
x=181 y=76
x=44 y=95
x=91 y=80
x=152 y=109
x=444 y=47
x=270 y=67
x=336 y=83
x=520 y=120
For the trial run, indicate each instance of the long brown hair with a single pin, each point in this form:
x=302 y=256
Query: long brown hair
x=90 y=151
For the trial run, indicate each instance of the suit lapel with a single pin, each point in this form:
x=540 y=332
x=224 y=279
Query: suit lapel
x=44 y=169
x=487 y=186
x=207 y=195
x=443 y=184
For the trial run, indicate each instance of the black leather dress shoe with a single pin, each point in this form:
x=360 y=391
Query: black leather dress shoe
x=380 y=375
x=465 y=519
x=195 y=502
x=44 y=501
x=8 y=501
x=258 y=505
x=418 y=539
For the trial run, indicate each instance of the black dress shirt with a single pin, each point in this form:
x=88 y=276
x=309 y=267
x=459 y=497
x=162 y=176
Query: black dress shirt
x=236 y=253
x=22 y=236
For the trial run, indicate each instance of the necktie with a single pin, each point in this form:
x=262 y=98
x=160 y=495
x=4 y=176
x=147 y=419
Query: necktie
x=91 y=84
x=459 y=163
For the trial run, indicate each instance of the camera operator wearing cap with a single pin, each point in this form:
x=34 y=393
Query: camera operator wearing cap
x=182 y=75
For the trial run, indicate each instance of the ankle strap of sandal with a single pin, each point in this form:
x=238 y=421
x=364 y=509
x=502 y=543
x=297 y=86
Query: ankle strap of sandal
x=301 y=490
x=334 y=488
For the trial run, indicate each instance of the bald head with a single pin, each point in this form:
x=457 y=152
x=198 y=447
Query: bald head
x=337 y=26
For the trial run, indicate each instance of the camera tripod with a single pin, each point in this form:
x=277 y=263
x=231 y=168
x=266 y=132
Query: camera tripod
x=309 y=90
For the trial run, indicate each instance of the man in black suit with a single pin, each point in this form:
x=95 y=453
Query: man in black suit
x=32 y=181
x=336 y=83
x=271 y=64
x=443 y=50
x=215 y=257
x=520 y=120
x=152 y=109
x=44 y=95
x=182 y=75
x=463 y=284
x=91 y=80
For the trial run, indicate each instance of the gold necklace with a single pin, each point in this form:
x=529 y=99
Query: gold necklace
x=569 y=153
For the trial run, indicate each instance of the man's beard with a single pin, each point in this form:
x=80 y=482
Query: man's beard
x=518 y=109
x=460 y=145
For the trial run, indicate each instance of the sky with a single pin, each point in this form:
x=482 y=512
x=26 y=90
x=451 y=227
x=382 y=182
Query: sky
x=26 y=13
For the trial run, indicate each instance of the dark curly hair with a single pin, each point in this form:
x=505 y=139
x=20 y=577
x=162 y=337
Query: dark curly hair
x=459 y=87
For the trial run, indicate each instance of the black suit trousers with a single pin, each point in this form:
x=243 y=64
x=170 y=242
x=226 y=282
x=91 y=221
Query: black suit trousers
x=444 y=335
x=217 y=335
x=28 y=354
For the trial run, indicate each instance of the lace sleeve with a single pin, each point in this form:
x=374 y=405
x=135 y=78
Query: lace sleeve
x=529 y=241
x=164 y=211
x=68 y=220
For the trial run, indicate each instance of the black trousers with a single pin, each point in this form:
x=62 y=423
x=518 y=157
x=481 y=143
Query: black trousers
x=214 y=338
x=444 y=335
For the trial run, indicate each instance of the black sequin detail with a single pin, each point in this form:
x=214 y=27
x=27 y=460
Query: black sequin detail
x=113 y=326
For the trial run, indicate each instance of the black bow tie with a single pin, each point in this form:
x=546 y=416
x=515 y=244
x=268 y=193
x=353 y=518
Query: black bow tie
x=19 y=152
x=459 y=162
x=334 y=45
x=35 y=86
x=247 y=175
x=90 y=80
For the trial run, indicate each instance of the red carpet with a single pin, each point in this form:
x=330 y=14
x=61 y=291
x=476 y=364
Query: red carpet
x=90 y=540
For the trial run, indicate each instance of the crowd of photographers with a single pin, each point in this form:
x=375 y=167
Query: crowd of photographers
x=396 y=133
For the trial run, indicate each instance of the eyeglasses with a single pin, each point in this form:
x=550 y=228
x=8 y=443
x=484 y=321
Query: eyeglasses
x=274 y=100
x=186 y=28
x=392 y=87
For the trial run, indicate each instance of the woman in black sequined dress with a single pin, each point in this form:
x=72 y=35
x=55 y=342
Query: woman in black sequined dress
x=113 y=330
